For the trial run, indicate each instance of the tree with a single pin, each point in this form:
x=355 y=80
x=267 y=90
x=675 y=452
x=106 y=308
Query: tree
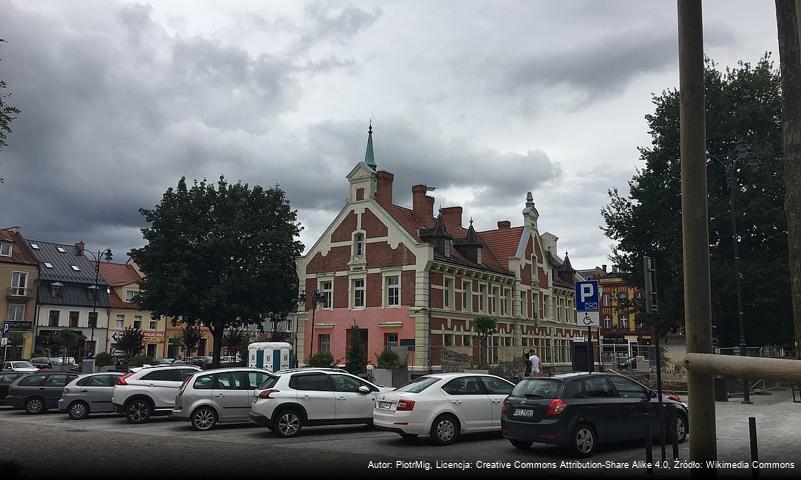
x=131 y=342
x=357 y=360
x=234 y=339
x=221 y=256
x=742 y=104
x=789 y=29
x=485 y=327
x=190 y=339
x=7 y=114
x=67 y=339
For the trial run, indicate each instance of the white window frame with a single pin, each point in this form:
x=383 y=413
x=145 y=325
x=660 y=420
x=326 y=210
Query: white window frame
x=495 y=301
x=15 y=289
x=448 y=284
x=10 y=249
x=523 y=304
x=387 y=287
x=326 y=344
x=328 y=303
x=119 y=321
x=467 y=294
x=139 y=317
x=535 y=305
x=482 y=297
x=354 y=289
x=19 y=308
x=129 y=297
x=355 y=252
x=624 y=322
x=153 y=322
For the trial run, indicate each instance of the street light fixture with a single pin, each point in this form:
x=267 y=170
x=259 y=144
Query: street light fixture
x=735 y=158
x=101 y=254
x=316 y=298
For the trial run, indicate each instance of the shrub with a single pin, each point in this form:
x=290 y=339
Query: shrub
x=321 y=359
x=387 y=359
x=103 y=359
x=140 y=360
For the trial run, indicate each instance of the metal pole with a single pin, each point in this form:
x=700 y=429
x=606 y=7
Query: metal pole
x=695 y=230
x=730 y=169
x=590 y=356
x=754 y=452
x=660 y=409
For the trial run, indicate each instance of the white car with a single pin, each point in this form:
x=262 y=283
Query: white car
x=149 y=391
x=290 y=400
x=443 y=406
x=19 y=366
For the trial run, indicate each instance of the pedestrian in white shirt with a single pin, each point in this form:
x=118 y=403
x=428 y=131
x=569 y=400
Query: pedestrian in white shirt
x=534 y=360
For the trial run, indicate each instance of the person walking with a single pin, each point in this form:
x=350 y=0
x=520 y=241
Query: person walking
x=527 y=364
x=534 y=360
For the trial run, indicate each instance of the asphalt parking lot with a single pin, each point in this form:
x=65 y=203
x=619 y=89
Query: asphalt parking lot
x=103 y=445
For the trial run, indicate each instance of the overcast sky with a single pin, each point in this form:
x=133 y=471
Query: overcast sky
x=485 y=100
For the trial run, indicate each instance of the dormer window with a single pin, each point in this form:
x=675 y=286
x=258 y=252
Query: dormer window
x=55 y=289
x=358 y=245
x=478 y=256
x=447 y=249
x=5 y=249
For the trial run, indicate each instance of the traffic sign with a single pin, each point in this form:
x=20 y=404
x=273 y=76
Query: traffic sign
x=589 y=319
x=587 y=294
x=3 y=342
x=6 y=328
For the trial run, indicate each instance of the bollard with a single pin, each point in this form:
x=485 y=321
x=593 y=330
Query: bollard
x=674 y=435
x=754 y=452
x=649 y=454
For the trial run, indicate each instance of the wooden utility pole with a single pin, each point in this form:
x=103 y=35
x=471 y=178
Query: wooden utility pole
x=695 y=230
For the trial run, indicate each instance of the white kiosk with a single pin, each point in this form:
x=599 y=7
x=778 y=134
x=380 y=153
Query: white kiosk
x=272 y=356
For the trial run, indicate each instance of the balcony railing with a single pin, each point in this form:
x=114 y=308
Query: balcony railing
x=20 y=292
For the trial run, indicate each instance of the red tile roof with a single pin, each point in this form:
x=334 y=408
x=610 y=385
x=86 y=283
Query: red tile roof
x=20 y=251
x=119 y=274
x=503 y=243
x=116 y=302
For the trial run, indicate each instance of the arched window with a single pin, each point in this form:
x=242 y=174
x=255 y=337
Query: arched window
x=358 y=245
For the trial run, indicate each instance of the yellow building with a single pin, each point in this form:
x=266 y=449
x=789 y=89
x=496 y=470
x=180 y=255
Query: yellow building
x=19 y=271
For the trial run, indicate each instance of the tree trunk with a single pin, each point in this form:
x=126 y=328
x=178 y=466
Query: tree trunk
x=789 y=29
x=217 y=333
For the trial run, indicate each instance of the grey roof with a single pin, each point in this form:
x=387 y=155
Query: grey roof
x=62 y=264
x=72 y=294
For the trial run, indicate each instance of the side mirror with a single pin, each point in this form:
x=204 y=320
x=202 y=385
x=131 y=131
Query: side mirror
x=364 y=389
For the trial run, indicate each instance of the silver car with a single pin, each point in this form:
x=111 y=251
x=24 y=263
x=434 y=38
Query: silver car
x=216 y=396
x=87 y=394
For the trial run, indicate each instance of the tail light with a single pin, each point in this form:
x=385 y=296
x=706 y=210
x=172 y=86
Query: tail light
x=66 y=390
x=405 y=405
x=503 y=408
x=265 y=394
x=673 y=396
x=121 y=380
x=556 y=407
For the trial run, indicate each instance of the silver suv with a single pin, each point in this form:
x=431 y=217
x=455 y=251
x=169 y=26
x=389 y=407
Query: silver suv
x=150 y=391
x=222 y=395
x=288 y=401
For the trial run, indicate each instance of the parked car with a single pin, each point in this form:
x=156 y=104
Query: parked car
x=19 y=366
x=50 y=362
x=38 y=392
x=89 y=393
x=149 y=391
x=580 y=410
x=202 y=362
x=443 y=406
x=6 y=379
x=221 y=395
x=627 y=364
x=287 y=401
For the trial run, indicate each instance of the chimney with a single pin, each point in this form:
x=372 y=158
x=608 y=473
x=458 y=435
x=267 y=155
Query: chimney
x=452 y=215
x=383 y=194
x=80 y=246
x=614 y=268
x=504 y=225
x=14 y=229
x=422 y=205
x=603 y=267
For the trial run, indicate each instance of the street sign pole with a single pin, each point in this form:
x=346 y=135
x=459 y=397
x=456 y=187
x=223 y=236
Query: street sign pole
x=590 y=355
x=587 y=294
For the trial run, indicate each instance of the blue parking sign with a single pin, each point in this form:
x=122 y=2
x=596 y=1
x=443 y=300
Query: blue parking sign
x=587 y=296
x=6 y=327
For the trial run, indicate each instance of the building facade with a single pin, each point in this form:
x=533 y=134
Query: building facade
x=19 y=271
x=405 y=279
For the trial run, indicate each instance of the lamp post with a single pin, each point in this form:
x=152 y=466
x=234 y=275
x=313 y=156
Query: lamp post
x=731 y=162
x=316 y=298
x=101 y=254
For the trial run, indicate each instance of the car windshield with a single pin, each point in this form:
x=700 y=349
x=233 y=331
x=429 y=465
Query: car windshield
x=537 y=388
x=418 y=385
x=21 y=365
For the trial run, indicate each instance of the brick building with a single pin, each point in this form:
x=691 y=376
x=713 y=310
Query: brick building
x=402 y=277
x=19 y=272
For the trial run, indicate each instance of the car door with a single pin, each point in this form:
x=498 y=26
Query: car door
x=599 y=403
x=634 y=400
x=97 y=391
x=232 y=395
x=470 y=402
x=54 y=388
x=315 y=393
x=497 y=389
x=351 y=402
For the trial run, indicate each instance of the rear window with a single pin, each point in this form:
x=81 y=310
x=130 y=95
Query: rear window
x=538 y=388
x=269 y=382
x=418 y=385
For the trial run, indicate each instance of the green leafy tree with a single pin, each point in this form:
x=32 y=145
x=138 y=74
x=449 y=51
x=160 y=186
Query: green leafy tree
x=357 y=359
x=189 y=339
x=234 y=339
x=68 y=339
x=220 y=255
x=7 y=113
x=742 y=104
x=131 y=342
x=387 y=359
x=485 y=327
x=321 y=359
x=103 y=359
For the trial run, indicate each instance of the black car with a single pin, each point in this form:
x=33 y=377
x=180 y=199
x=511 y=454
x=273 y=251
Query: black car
x=38 y=392
x=6 y=379
x=580 y=410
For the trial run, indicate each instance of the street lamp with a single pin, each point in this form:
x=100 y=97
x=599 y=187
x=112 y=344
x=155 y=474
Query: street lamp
x=316 y=298
x=734 y=159
x=105 y=254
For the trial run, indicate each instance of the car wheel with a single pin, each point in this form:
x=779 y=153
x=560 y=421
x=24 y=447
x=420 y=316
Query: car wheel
x=78 y=410
x=681 y=428
x=204 y=418
x=444 y=430
x=521 y=444
x=138 y=411
x=35 y=406
x=287 y=423
x=583 y=440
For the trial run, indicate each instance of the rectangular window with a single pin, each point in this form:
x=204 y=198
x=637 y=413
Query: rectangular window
x=154 y=324
x=447 y=340
x=524 y=342
x=507 y=299
x=607 y=322
x=482 y=298
x=534 y=305
x=447 y=291
x=93 y=319
x=466 y=340
x=74 y=319
x=496 y=294
x=53 y=319
x=129 y=295
x=358 y=293
x=624 y=322
x=393 y=290
x=137 y=323
x=324 y=340
x=5 y=249
x=19 y=280
x=467 y=297
x=327 y=289
x=120 y=322
x=546 y=301
x=606 y=300
x=523 y=303
x=390 y=340
x=16 y=311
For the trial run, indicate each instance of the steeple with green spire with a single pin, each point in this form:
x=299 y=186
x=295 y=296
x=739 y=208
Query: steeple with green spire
x=369 y=156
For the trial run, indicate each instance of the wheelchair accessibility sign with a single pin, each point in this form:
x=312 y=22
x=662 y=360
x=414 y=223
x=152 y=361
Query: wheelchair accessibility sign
x=587 y=296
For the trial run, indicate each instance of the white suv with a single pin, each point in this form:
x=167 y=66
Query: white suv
x=288 y=401
x=149 y=391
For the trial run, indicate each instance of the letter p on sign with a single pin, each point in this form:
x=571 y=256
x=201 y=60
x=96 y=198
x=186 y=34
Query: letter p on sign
x=587 y=292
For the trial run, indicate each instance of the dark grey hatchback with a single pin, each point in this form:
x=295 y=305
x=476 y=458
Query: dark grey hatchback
x=580 y=410
x=38 y=392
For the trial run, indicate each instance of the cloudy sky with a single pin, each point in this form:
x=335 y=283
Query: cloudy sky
x=485 y=100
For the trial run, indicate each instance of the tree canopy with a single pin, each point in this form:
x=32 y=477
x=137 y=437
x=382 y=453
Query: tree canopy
x=220 y=255
x=743 y=104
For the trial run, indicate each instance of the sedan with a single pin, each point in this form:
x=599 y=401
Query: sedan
x=579 y=410
x=88 y=394
x=19 y=366
x=443 y=406
x=6 y=379
x=38 y=392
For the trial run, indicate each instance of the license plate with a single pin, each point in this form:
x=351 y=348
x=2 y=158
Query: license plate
x=523 y=412
x=385 y=405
